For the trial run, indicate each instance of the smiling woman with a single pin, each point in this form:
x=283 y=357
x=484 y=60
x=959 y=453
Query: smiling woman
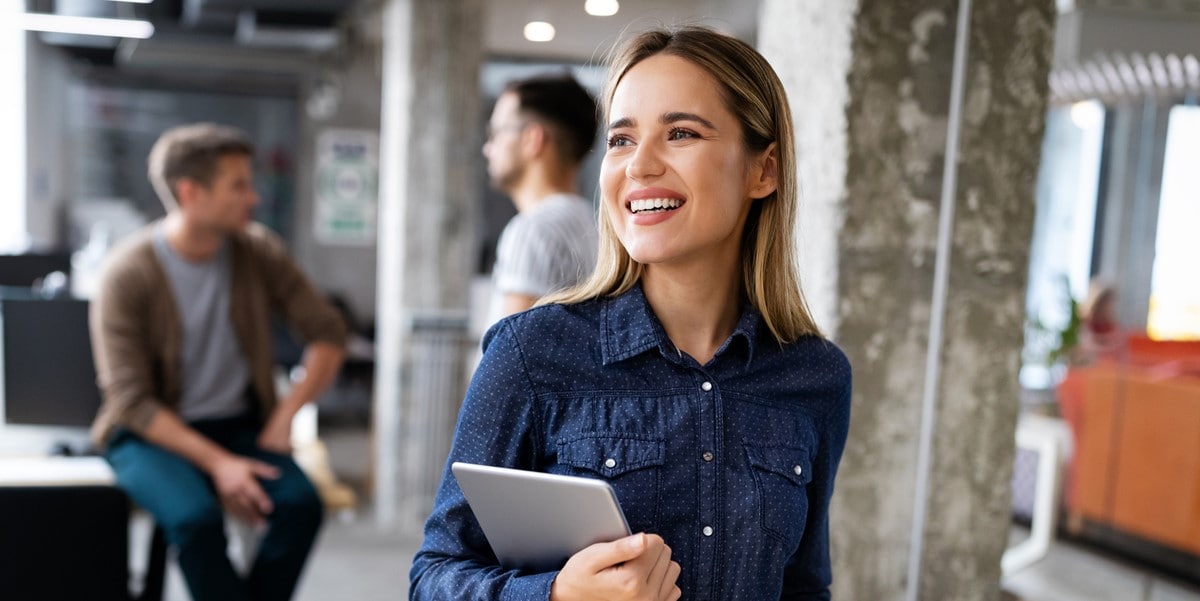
x=686 y=372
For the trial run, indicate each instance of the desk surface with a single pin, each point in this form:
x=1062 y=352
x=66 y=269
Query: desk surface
x=55 y=471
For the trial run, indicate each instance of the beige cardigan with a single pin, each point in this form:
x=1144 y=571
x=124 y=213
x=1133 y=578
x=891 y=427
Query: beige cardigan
x=137 y=334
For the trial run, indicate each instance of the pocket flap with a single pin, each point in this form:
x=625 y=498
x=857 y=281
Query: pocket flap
x=790 y=462
x=611 y=455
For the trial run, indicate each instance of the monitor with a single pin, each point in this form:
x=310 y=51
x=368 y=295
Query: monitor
x=23 y=270
x=48 y=378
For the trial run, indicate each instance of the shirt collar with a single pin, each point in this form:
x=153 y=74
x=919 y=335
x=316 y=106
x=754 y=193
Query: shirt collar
x=628 y=327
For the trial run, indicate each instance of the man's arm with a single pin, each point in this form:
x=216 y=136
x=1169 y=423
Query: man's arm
x=320 y=365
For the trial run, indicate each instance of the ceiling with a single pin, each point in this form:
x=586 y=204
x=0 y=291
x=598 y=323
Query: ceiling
x=285 y=34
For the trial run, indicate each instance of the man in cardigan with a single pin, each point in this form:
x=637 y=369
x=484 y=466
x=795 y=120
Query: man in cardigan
x=181 y=338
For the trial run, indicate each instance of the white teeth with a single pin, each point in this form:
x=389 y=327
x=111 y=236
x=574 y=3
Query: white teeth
x=651 y=204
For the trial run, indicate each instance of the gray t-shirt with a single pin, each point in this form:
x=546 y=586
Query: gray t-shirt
x=215 y=374
x=544 y=250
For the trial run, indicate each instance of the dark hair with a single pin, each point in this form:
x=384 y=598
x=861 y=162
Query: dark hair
x=560 y=102
x=192 y=151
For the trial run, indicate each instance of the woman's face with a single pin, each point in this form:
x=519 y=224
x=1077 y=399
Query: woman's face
x=677 y=181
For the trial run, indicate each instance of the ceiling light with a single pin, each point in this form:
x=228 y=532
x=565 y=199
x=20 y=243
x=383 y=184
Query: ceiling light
x=539 y=31
x=117 y=28
x=602 y=8
x=134 y=1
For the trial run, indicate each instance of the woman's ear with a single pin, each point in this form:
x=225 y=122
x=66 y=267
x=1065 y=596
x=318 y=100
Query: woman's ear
x=764 y=173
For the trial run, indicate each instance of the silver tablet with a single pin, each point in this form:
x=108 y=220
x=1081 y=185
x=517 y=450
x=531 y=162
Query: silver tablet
x=536 y=521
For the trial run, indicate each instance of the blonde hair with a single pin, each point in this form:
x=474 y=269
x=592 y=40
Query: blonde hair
x=753 y=93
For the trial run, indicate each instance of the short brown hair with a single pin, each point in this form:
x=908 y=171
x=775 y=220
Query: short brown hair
x=192 y=151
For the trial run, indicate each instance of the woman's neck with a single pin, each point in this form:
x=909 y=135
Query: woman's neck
x=698 y=306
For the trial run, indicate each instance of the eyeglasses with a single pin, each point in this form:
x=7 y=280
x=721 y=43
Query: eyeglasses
x=492 y=132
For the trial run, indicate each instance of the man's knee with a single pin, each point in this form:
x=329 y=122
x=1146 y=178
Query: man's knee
x=194 y=522
x=298 y=503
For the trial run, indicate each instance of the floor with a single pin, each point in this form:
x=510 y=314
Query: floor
x=355 y=560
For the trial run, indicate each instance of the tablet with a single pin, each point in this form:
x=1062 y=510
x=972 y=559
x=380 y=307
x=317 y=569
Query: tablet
x=536 y=521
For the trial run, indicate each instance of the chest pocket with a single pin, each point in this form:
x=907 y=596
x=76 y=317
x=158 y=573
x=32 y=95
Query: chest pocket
x=630 y=463
x=781 y=477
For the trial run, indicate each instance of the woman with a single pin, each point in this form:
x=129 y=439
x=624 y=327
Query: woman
x=687 y=371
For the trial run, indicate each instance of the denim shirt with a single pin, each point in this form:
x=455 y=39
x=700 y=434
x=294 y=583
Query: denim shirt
x=731 y=462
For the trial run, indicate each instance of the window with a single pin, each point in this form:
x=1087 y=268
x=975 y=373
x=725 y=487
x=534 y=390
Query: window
x=1174 y=288
x=1060 y=259
x=12 y=124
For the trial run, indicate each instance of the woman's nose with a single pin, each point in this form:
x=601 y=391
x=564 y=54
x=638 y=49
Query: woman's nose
x=645 y=162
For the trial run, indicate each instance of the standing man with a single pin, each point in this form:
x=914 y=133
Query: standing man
x=180 y=334
x=539 y=133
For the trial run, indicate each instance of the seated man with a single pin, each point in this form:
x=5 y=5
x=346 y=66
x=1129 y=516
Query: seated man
x=181 y=339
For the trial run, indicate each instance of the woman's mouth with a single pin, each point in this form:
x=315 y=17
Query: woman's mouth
x=654 y=205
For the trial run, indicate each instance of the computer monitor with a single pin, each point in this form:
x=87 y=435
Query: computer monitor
x=25 y=269
x=48 y=378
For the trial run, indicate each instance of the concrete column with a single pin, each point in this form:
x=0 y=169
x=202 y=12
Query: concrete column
x=428 y=161
x=919 y=142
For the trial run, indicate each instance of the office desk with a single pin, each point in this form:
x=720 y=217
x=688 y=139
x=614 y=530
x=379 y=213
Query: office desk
x=65 y=530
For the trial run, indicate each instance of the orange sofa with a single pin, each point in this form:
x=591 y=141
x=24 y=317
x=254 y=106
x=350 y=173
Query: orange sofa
x=1136 y=422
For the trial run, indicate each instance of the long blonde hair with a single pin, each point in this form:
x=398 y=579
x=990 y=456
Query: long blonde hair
x=753 y=93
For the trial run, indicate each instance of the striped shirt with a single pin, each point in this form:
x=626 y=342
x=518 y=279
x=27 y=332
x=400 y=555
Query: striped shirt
x=549 y=248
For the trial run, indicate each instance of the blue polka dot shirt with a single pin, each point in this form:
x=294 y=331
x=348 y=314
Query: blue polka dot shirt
x=732 y=462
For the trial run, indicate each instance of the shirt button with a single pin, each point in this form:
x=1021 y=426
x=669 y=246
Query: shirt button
x=707 y=386
x=611 y=463
x=708 y=456
x=707 y=531
x=795 y=468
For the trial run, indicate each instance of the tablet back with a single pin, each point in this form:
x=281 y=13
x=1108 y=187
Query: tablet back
x=535 y=520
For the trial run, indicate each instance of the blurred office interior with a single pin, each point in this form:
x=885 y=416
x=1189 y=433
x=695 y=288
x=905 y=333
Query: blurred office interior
x=993 y=451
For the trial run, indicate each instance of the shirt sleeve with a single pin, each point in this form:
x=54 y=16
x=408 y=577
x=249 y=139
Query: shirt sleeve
x=295 y=295
x=120 y=347
x=808 y=573
x=496 y=426
x=542 y=253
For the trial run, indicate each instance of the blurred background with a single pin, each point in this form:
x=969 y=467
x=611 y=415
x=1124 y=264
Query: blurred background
x=1100 y=481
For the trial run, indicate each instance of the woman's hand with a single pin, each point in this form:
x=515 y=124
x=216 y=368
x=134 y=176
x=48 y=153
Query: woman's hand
x=634 y=568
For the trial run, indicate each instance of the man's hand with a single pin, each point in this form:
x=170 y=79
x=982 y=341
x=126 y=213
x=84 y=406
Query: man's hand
x=276 y=435
x=634 y=568
x=236 y=480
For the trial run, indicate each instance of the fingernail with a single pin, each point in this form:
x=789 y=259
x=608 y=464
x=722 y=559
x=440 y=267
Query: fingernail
x=637 y=541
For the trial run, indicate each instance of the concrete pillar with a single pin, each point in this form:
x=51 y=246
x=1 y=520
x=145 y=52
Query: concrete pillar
x=916 y=263
x=428 y=161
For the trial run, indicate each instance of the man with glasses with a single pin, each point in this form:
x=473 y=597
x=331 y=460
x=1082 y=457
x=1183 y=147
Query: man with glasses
x=538 y=135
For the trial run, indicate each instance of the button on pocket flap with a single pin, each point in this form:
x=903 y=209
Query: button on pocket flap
x=610 y=455
x=789 y=462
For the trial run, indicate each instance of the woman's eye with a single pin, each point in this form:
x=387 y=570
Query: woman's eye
x=618 y=140
x=680 y=134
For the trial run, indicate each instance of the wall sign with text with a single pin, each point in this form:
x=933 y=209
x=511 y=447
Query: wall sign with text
x=347 y=187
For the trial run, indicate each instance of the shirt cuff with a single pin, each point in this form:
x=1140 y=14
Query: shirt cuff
x=534 y=587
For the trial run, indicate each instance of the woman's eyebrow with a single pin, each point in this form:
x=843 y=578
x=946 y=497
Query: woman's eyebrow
x=622 y=122
x=675 y=117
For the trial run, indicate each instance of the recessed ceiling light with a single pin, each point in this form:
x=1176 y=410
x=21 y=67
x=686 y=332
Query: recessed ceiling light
x=539 y=31
x=602 y=8
x=53 y=23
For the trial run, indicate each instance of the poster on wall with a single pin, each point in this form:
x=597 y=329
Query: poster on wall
x=347 y=187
